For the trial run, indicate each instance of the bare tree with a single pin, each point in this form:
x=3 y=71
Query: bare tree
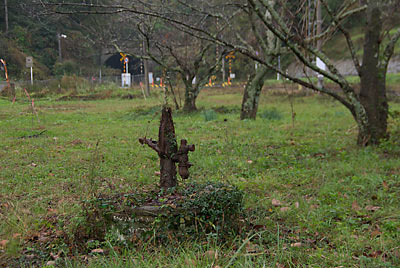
x=194 y=60
x=286 y=21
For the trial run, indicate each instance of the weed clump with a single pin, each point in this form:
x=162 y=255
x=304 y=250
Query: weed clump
x=216 y=205
x=271 y=114
x=209 y=115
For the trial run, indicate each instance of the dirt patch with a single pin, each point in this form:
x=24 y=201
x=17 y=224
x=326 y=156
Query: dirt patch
x=88 y=97
x=65 y=107
x=219 y=90
x=226 y=109
x=79 y=97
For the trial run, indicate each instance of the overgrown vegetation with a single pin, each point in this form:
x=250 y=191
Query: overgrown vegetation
x=311 y=196
x=160 y=217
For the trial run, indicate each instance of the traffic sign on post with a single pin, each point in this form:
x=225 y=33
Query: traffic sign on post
x=126 y=60
x=29 y=62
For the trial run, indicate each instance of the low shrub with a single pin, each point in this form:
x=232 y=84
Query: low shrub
x=73 y=83
x=197 y=209
x=66 y=68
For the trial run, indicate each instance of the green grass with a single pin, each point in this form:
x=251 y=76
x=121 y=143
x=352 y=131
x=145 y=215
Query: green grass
x=391 y=79
x=314 y=168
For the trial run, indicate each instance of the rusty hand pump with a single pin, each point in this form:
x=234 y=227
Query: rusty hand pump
x=167 y=150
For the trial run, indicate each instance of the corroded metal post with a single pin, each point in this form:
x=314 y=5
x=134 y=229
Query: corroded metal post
x=167 y=150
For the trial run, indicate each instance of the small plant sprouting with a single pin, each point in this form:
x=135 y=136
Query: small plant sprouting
x=91 y=177
x=291 y=101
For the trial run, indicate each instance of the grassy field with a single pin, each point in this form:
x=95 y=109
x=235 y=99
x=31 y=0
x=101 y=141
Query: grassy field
x=312 y=197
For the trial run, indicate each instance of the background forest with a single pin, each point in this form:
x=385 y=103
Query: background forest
x=34 y=31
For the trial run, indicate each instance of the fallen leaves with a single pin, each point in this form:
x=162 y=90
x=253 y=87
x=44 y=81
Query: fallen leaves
x=30 y=256
x=76 y=142
x=211 y=254
x=285 y=209
x=375 y=233
x=16 y=235
x=375 y=254
x=284 y=206
x=55 y=256
x=276 y=203
x=251 y=248
x=296 y=245
x=98 y=250
x=190 y=262
x=52 y=210
x=278 y=265
x=355 y=206
x=372 y=208
x=3 y=243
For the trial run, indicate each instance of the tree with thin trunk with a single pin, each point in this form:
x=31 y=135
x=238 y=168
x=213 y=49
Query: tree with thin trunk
x=194 y=60
x=6 y=14
x=252 y=93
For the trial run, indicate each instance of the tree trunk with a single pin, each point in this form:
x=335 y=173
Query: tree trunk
x=146 y=71
x=6 y=15
x=251 y=94
x=373 y=82
x=191 y=93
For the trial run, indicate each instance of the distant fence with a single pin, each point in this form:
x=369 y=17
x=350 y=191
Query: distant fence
x=108 y=79
x=136 y=79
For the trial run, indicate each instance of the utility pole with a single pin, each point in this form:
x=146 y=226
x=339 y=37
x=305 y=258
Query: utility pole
x=319 y=24
x=100 y=63
x=6 y=14
x=278 y=76
x=319 y=43
x=59 y=36
x=146 y=71
x=59 y=47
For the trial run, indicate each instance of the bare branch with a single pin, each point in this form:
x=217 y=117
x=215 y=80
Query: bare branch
x=389 y=50
x=350 y=44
